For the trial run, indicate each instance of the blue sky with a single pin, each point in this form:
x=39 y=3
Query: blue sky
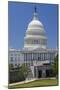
x=19 y=16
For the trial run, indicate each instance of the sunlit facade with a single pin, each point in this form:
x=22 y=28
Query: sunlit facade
x=35 y=53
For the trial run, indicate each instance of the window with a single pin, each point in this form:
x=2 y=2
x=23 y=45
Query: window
x=15 y=59
x=18 y=54
x=15 y=64
x=11 y=59
x=25 y=56
x=11 y=54
x=45 y=56
x=15 y=54
x=35 y=42
x=18 y=58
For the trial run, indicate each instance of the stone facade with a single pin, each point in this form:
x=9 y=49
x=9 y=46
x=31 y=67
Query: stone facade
x=37 y=61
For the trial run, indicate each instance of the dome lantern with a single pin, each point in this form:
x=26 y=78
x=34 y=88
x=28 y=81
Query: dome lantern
x=35 y=14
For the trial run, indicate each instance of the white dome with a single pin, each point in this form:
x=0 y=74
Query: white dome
x=35 y=22
x=35 y=27
x=35 y=34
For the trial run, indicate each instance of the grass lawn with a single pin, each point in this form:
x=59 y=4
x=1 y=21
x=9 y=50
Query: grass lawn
x=37 y=83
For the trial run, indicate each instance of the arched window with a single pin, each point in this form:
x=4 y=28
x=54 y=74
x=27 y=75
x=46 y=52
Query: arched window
x=35 y=42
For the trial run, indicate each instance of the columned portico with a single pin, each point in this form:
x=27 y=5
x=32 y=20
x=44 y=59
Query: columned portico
x=39 y=62
x=41 y=71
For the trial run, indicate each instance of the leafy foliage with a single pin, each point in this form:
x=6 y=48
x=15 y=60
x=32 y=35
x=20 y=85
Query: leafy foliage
x=17 y=74
x=55 y=66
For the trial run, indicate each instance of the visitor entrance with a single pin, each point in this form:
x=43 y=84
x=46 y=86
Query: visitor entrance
x=48 y=73
x=39 y=73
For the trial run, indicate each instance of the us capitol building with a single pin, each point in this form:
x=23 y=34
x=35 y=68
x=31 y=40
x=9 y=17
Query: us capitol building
x=35 y=53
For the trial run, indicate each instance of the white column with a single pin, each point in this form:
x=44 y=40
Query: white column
x=43 y=73
x=36 y=72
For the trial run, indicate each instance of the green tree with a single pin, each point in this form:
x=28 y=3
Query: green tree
x=55 y=66
x=10 y=67
x=23 y=70
x=17 y=74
